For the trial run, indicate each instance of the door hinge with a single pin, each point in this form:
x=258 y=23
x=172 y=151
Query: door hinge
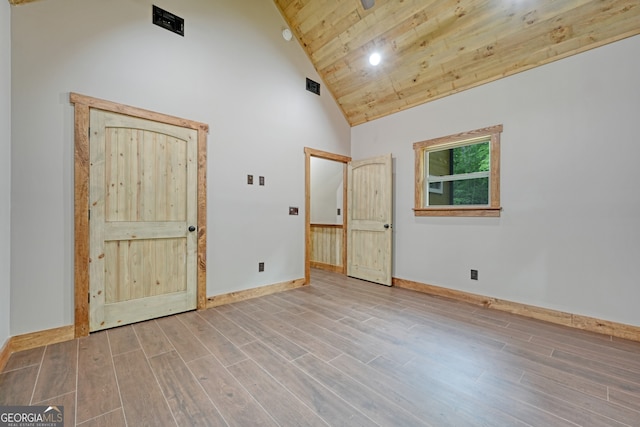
x=89 y=214
x=88 y=297
x=89 y=133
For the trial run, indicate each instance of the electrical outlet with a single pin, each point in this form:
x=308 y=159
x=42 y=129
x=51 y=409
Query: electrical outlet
x=261 y=266
x=293 y=210
x=261 y=180
x=250 y=179
x=474 y=274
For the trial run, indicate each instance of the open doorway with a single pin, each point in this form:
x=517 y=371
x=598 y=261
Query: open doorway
x=325 y=211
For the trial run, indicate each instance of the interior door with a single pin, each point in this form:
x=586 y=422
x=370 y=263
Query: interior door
x=143 y=217
x=369 y=219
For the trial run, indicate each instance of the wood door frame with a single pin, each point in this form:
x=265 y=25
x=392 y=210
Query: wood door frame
x=82 y=105
x=312 y=152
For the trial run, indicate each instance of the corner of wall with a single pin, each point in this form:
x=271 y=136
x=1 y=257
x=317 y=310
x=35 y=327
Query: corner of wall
x=5 y=176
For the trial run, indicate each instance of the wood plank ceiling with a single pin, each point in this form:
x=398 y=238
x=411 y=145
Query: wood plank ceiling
x=434 y=48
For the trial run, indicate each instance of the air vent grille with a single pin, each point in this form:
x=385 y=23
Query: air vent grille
x=167 y=20
x=313 y=87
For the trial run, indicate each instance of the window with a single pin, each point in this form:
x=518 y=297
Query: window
x=459 y=175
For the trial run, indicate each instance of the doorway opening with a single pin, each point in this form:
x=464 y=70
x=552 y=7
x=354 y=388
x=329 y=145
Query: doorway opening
x=325 y=211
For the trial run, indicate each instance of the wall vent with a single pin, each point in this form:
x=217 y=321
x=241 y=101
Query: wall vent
x=167 y=20
x=313 y=87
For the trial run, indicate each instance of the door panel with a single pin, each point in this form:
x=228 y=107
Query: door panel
x=369 y=231
x=143 y=198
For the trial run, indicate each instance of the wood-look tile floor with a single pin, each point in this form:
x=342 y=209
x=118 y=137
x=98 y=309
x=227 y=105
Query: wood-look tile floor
x=340 y=352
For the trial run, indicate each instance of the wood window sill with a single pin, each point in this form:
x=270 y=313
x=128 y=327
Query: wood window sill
x=458 y=211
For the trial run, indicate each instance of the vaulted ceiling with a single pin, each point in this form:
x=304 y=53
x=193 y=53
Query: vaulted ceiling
x=434 y=48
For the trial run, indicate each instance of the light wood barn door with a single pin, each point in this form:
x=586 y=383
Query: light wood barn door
x=369 y=220
x=143 y=217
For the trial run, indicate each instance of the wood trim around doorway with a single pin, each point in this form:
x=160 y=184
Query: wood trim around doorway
x=311 y=152
x=82 y=105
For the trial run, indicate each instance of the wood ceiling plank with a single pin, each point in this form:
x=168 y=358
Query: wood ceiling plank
x=461 y=48
x=326 y=30
x=284 y=4
x=325 y=16
x=371 y=95
x=359 y=58
x=291 y=8
x=447 y=47
x=456 y=77
x=315 y=10
x=368 y=29
x=357 y=64
x=440 y=44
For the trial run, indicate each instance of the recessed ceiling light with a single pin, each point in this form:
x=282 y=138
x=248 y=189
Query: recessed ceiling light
x=286 y=34
x=375 y=58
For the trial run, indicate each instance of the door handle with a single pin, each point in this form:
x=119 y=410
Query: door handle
x=192 y=228
x=387 y=226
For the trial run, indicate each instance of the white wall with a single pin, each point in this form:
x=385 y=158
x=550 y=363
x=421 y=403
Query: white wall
x=5 y=168
x=326 y=190
x=569 y=235
x=232 y=70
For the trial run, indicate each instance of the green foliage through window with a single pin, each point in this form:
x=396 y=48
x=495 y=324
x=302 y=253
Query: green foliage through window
x=461 y=175
x=469 y=159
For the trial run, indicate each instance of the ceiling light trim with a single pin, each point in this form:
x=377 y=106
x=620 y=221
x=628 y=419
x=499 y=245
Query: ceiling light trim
x=368 y=4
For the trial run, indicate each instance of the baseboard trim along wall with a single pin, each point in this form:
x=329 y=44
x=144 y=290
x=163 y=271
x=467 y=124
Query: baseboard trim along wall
x=606 y=327
x=35 y=339
x=4 y=354
x=217 y=300
x=577 y=321
x=66 y=333
x=327 y=267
